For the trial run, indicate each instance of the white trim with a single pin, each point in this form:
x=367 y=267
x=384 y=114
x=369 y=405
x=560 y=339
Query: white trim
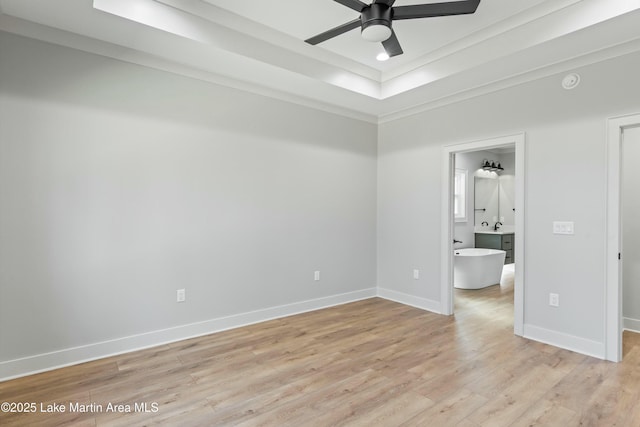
x=402 y=298
x=446 y=243
x=548 y=70
x=613 y=294
x=71 y=356
x=225 y=18
x=566 y=341
x=519 y=252
x=632 y=325
x=464 y=180
x=59 y=37
x=371 y=112
x=446 y=279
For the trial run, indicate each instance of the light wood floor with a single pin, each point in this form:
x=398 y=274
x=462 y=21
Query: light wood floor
x=369 y=363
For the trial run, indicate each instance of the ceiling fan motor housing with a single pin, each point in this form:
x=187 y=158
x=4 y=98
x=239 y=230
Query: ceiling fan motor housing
x=376 y=22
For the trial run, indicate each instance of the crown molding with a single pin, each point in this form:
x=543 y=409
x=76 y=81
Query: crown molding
x=46 y=34
x=492 y=31
x=258 y=31
x=197 y=47
x=224 y=48
x=594 y=57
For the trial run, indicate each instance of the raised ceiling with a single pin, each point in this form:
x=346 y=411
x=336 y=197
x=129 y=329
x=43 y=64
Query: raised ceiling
x=259 y=46
x=302 y=19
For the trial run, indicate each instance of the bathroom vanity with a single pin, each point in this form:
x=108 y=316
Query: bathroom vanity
x=503 y=240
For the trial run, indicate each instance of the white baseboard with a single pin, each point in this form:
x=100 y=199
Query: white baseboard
x=71 y=356
x=402 y=298
x=630 y=324
x=48 y=361
x=566 y=341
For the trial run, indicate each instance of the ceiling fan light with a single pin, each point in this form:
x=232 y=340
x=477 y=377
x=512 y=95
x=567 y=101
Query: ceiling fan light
x=376 y=33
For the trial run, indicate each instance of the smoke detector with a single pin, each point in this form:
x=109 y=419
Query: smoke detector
x=571 y=81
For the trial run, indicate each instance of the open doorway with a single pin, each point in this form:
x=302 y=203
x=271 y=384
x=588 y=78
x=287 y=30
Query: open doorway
x=630 y=238
x=623 y=133
x=450 y=203
x=484 y=232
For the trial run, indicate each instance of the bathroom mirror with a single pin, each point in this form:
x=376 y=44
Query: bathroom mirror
x=486 y=199
x=494 y=199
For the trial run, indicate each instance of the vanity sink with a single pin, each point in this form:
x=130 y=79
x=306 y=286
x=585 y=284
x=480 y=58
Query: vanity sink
x=489 y=230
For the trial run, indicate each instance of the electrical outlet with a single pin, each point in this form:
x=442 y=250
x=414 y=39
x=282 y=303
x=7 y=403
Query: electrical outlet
x=554 y=300
x=180 y=295
x=416 y=274
x=316 y=275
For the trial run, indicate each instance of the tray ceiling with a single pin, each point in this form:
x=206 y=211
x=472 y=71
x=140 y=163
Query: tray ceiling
x=302 y=19
x=259 y=46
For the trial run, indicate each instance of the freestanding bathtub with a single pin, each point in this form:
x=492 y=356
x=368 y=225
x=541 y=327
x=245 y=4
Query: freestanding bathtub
x=476 y=268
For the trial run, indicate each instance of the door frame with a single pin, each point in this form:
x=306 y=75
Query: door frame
x=613 y=288
x=448 y=169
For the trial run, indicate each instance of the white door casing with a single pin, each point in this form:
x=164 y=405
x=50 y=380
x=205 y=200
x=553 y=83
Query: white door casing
x=446 y=280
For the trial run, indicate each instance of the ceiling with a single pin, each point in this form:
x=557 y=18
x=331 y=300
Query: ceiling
x=259 y=46
x=419 y=37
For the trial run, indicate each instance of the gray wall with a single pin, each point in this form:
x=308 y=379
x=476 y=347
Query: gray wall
x=631 y=229
x=121 y=184
x=565 y=179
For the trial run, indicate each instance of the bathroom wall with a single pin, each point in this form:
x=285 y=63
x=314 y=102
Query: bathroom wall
x=507 y=180
x=631 y=229
x=565 y=177
x=471 y=163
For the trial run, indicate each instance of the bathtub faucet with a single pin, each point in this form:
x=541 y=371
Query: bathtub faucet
x=495 y=227
x=456 y=241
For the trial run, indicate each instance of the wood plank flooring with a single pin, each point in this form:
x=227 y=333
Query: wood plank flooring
x=368 y=363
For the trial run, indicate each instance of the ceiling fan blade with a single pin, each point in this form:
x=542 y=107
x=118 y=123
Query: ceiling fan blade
x=334 y=32
x=387 y=2
x=356 y=5
x=392 y=45
x=435 y=9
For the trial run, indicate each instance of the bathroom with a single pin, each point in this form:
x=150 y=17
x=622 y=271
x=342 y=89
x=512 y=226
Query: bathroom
x=484 y=228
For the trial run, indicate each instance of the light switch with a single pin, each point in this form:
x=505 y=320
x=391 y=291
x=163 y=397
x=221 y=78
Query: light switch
x=562 y=227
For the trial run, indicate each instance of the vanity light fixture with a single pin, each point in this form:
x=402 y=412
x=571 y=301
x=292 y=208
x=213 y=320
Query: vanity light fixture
x=491 y=166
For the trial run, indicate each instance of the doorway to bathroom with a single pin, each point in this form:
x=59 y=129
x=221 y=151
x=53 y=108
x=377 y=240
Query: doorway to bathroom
x=623 y=236
x=471 y=178
x=630 y=237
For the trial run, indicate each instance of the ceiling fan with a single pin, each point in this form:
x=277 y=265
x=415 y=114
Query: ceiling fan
x=375 y=19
